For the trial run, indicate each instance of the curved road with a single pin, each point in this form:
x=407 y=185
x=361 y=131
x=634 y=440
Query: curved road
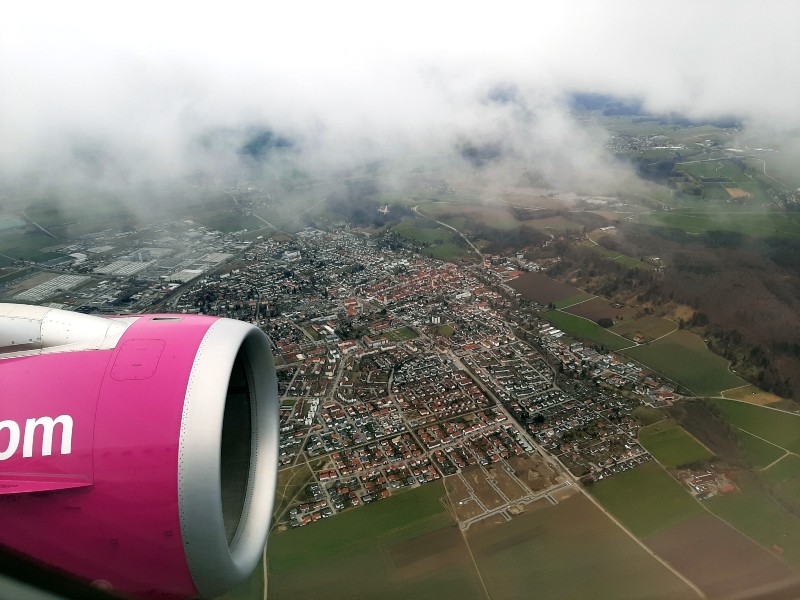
x=463 y=237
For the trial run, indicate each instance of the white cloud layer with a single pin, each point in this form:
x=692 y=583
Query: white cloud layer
x=119 y=93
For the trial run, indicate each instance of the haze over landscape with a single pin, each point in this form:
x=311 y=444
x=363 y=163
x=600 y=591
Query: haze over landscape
x=531 y=271
x=154 y=94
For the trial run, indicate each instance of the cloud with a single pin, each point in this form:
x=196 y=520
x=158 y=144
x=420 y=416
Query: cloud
x=120 y=96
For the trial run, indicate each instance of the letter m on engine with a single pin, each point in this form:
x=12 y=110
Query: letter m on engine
x=47 y=426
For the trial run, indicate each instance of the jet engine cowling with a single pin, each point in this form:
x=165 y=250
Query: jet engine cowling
x=138 y=453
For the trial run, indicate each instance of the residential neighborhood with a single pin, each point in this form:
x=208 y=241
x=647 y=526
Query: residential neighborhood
x=394 y=369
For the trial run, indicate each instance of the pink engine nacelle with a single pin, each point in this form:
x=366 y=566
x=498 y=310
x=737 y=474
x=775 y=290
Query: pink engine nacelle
x=138 y=453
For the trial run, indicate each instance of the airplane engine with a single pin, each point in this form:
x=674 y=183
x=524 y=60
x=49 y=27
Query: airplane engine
x=138 y=453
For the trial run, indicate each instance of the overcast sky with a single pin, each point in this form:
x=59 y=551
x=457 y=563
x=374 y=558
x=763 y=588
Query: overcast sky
x=133 y=86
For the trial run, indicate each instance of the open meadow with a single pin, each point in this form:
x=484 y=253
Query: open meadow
x=722 y=562
x=411 y=230
x=405 y=546
x=778 y=427
x=646 y=499
x=672 y=445
x=752 y=394
x=753 y=512
x=581 y=328
x=291 y=481
x=498 y=217
x=447 y=251
x=759 y=453
x=754 y=223
x=400 y=334
x=600 y=308
x=572 y=300
x=717 y=557
x=783 y=480
x=648 y=327
x=627 y=261
x=683 y=357
x=543 y=289
x=537 y=553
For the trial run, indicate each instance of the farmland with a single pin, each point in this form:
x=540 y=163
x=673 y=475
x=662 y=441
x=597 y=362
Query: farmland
x=754 y=513
x=228 y=222
x=425 y=235
x=600 y=308
x=646 y=499
x=408 y=538
x=647 y=415
x=460 y=216
x=720 y=560
x=756 y=224
x=537 y=553
x=28 y=245
x=783 y=479
x=751 y=394
x=627 y=261
x=714 y=169
x=759 y=453
x=778 y=427
x=585 y=329
x=672 y=445
x=683 y=357
x=446 y=251
x=498 y=217
x=569 y=301
x=725 y=180
x=542 y=289
x=650 y=328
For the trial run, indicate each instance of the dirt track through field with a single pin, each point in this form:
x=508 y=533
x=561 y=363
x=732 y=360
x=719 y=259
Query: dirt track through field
x=722 y=562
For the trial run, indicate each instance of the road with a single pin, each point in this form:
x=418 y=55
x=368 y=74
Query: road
x=24 y=214
x=463 y=237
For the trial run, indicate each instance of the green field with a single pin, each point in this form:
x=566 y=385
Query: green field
x=714 y=169
x=783 y=479
x=445 y=330
x=556 y=223
x=496 y=217
x=404 y=547
x=585 y=329
x=622 y=259
x=400 y=334
x=683 y=357
x=446 y=251
x=646 y=415
x=567 y=302
x=463 y=216
x=649 y=327
x=672 y=445
x=758 y=452
x=291 y=481
x=28 y=245
x=646 y=499
x=778 y=427
x=570 y=550
x=755 y=514
x=426 y=235
x=627 y=124
x=251 y=588
x=757 y=224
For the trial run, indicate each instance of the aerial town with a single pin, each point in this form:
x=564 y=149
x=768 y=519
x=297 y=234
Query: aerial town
x=394 y=369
